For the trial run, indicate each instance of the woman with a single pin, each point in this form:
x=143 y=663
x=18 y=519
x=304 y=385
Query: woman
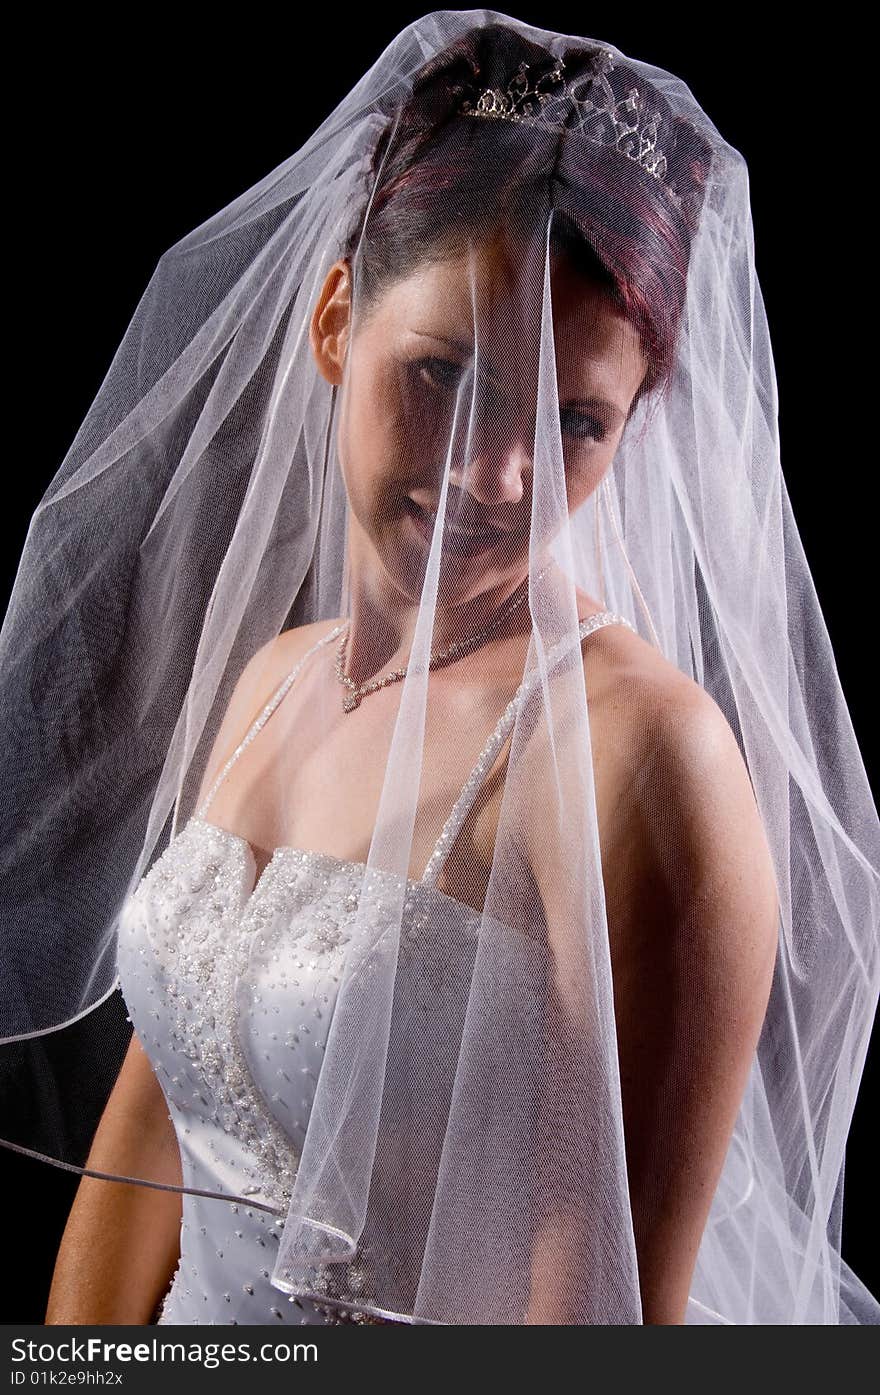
x=490 y=963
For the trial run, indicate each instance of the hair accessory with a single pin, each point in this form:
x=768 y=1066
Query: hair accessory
x=400 y=1070
x=627 y=122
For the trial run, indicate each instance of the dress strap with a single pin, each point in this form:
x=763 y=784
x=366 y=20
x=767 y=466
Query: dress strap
x=267 y=713
x=489 y=753
x=484 y=762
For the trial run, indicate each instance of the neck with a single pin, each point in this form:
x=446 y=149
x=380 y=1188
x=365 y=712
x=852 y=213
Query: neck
x=383 y=615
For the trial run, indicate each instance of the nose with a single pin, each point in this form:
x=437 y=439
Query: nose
x=494 y=475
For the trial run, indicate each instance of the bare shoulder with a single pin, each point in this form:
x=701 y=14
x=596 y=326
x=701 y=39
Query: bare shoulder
x=637 y=693
x=674 y=793
x=261 y=676
x=642 y=710
x=270 y=664
x=288 y=647
x=659 y=736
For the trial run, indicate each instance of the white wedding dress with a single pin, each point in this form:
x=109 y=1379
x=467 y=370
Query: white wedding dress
x=235 y=1024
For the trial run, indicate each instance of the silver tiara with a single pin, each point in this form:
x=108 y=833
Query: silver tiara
x=627 y=123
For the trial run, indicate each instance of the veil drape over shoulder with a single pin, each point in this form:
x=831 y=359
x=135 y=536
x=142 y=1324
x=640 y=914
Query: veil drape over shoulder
x=416 y=702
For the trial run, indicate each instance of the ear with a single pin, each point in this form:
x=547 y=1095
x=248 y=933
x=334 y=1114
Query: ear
x=331 y=322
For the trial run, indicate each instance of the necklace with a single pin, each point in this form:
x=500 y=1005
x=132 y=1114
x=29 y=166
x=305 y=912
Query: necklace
x=352 y=698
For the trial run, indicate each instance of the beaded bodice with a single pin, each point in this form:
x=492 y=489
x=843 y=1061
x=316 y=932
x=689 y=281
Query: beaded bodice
x=230 y=981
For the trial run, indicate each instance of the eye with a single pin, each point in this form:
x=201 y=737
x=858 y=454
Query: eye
x=440 y=373
x=582 y=426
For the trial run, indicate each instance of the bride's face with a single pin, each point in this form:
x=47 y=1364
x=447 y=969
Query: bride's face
x=408 y=401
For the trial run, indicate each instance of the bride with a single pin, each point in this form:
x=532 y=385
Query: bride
x=485 y=858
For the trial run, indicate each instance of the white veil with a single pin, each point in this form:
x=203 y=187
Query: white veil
x=607 y=975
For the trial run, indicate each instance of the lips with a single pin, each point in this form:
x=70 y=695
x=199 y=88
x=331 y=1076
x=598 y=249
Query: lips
x=464 y=526
x=462 y=519
x=457 y=536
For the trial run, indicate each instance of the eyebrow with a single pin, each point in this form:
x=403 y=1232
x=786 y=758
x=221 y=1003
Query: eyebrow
x=602 y=404
x=596 y=403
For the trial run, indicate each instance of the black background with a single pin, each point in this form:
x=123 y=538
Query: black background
x=125 y=142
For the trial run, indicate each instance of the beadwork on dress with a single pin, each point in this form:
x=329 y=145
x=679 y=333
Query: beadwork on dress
x=210 y=960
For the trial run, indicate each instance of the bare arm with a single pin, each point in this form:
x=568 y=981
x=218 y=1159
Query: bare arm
x=122 y=1242
x=693 y=923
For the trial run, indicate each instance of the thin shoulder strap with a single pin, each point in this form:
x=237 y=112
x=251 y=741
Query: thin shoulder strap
x=484 y=762
x=267 y=713
x=489 y=753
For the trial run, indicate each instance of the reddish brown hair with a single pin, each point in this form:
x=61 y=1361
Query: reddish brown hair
x=440 y=180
